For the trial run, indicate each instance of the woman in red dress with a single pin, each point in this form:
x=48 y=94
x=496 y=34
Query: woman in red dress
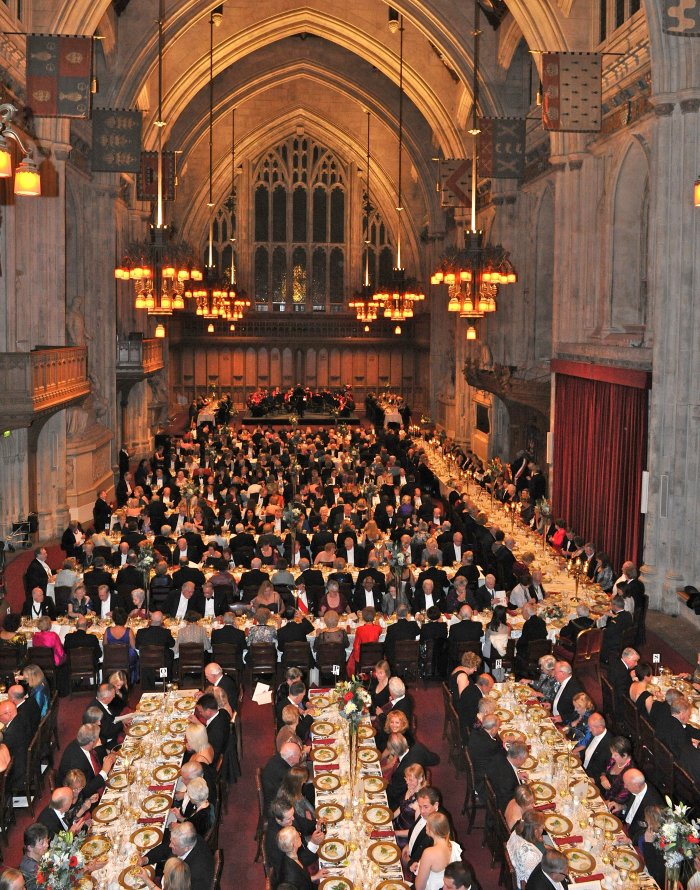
x=367 y=632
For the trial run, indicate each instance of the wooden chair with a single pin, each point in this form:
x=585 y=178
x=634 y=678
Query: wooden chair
x=262 y=658
x=509 y=868
x=152 y=659
x=536 y=649
x=81 y=666
x=370 y=654
x=297 y=654
x=644 y=754
x=52 y=715
x=608 y=703
x=629 y=719
x=492 y=839
x=218 y=868
x=42 y=656
x=32 y=780
x=10 y=661
x=471 y=801
x=190 y=667
x=259 y=830
x=663 y=764
x=446 y=704
x=684 y=789
x=62 y=596
x=406 y=659
x=330 y=661
x=457 y=650
x=229 y=657
x=115 y=657
x=211 y=838
x=587 y=655
x=6 y=810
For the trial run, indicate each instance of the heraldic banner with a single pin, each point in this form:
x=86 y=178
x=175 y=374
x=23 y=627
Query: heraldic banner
x=59 y=70
x=116 y=140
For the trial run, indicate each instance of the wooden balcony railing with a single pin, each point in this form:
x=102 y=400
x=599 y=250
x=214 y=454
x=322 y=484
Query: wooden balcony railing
x=137 y=358
x=40 y=382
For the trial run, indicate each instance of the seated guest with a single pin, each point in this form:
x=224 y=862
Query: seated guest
x=292 y=872
x=621 y=673
x=185 y=843
x=563 y=701
x=293 y=789
x=197 y=744
x=330 y=633
x=648 y=844
x=675 y=732
x=430 y=870
x=406 y=812
x=569 y=633
x=38 y=685
x=522 y=802
x=54 y=816
x=464 y=631
x=110 y=728
x=417 y=840
x=136 y=606
x=121 y=635
x=642 y=691
x=215 y=720
x=505 y=772
x=433 y=628
x=641 y=795
x=267 y=598
x=190 y=771
x=295 y=698
x=79 y=602
x=596 y=754
x=484 y=744
x=552 y=871
x=193 y=633
x=155 y=635
x=579 y=730
x=214 y=601
x=468 y=703
x=214 y=675
x=276 y=768
x=201 y=814
x=281 y=815
x=288 y=731
x=179 y=602
x=457 y=877
x=104 y=601
x=428 y=595
x=229 y=634
x=619 y=620
x=36 y=843
x=533 y=629
x=463 y=674
x=417 y=753
x=76 y=781
x=263 y=631
x=367 y=632
x=520 y=594
x=334 y=601
x=17 y=739
x=395 y=722
x=612 y=780
x=81 y=754
x=496 y=628
x=525 y=845
x=545 y=686
x=402 y=629
x=282 y=576
x=38 y=605
x=81 y=639
x=161 y=583
x=27 y=710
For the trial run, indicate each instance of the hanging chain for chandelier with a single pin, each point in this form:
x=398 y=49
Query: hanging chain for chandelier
x=364 y=305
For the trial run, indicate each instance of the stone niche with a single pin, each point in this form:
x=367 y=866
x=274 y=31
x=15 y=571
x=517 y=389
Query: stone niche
x=88 y=471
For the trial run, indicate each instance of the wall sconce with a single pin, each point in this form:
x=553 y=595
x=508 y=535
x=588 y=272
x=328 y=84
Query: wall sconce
x=27 y=178
x=696 y=192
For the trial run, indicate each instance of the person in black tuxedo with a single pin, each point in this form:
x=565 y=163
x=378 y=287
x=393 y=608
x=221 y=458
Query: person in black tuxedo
x=101 y=512
x=16 y=737
x=186 y=573
x=215 y=676
x=83 y=754
x=437 y=575
x=296 y=630
x=252 y=579
x=569 y=633
x=104 y=601
x=38 y=572
x=232 y=635
x=428 y=800
x=429 y=594
x=129 y=577
x=596 y=754
x=81 y=639
x=618 y=622
x=484 y=745
x=296 y=696
x=276 y=769
x=97 y=575
x=468 y=703
x=373 y=572
x=465 y=631
x=534 y=628
x=27 y=708
x=434 y=628
x=553 y=871
x=403 y=629
x=179 y=602
x=186 y=844
x=417 y=753
x=281 y=816
x=621 y=674
x=216 y=721
x=38 y=604
x=563 y=703
x=352 y=552
x=54 y=817
x=642 y=796
x=673 y=729
x=109 y=727
x=504 y=772
x=292 y=873
x=155 y=635
x=367 y=594
x=120 y=556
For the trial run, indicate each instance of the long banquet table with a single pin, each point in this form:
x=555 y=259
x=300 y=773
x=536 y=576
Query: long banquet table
x=360 y=847
x=133 y=812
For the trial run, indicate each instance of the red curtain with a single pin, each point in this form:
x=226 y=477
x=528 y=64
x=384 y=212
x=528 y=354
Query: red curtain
x=600 y=449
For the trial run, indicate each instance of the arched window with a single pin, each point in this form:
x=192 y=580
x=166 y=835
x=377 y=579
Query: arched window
x=381 y=251
x=223 y=239
x=300 y=206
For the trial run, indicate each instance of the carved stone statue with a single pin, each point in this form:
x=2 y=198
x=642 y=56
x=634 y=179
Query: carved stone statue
x=75 y=323
x=100 y=403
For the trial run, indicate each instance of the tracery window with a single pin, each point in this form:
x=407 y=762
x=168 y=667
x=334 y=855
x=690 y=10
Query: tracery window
x=614 y=13
x=223 y=240
x=381 y=251
x=299 y=208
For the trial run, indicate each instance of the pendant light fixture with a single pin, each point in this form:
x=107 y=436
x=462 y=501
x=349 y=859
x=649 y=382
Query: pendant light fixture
x=362 y=302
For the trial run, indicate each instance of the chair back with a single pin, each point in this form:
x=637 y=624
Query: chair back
x=629 y=718
x=406 y=656
x=297 y=654
x=536 y=649
x=228 y=655
x=262 y=658
x=81 y=664
x=664 y=763
x=6 y=811
x=218 y=868
x=608 y=701
x=191 y=663
x=62 y=594
x=370 y=654
x=684 y=789
x=458 y=649
x=588 y=646
x=42 y=656
x=640 y=621
x=115 y=657
x=330 y=660
x=152 y=657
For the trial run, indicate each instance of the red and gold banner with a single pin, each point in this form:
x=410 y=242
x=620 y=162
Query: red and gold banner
x=147 y=181
x=59 y=70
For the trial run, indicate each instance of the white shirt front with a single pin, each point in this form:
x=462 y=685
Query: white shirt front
x=182 y=607
x=429 y=601
x=458 y=552
x=106 y=606
x=45 y=566
x=634 y=806
x=591 y=748
x=209 y=607
x=555 y=703
x=369 y=598
x=418 y=826
x=351 y=557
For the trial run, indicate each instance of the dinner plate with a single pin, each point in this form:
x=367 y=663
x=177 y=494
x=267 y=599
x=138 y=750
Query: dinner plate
x=537 y=712
x=330 y=812
x=529 y=763
x=95 y=846
x=504 y=715
x=118 y=781
x=138 y=730
x=326 y=782
x=185 y=704
x=368 y=755
x=333 y=849
x=550 y=736
x=319 y=702
x=561 y=759
x=580 y=861
x=177 y=727
x=106 y=812
x=130 y=877
x=384 y=853
x=173 y=748
x=322 y=728
x=558 y=826
x=366 y=731
x=156 y=803
x=393 y=884
x=377 y=815
x=512 y=735
x=166 y=772
x=626 y=857
x=147 y=705
x=84 y=882
x=374 y=784
x=323 y=754
x=336 y=882
x=607 y=822
x=146 y=837
x=591 y=790
x=543 y=791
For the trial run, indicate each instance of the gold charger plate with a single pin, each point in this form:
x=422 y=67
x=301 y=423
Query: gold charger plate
x=504 y=715
x=84 y=882
x=393 y=884
x=95 y=846
x=130 y=877
x=580 y=861
x=374 y=784
x=322 y=728
x=512 y=735
x=105 y=813
x=384 y=853
x=543 y=791
x=118 y=781
x=607 y=822
x=591 y=790
x=537 y=711
x=366 y=731
x=558 y=826
x=367 y=755
x=319 y=702
x=185 y=704
x=323 y=754
x=330 y=812
x=333 y=849
x=550 y=736
x=177 y=727
x=529 y=763
x=138 y=730
x=147 y=705
x=377 y=814
x=562 y=758
x=336 y=882
x=146 y=837
x=166 y=772
x=156 y=803
x=173 y=748
x=326 y=782
x=627 y=858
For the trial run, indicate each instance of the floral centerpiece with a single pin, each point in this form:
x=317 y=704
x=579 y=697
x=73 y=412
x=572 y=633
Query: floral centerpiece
x=353 y=701
x=146 y=559
x=552 y=613
x=62 y=866
x=678 y=839
x=544 y=507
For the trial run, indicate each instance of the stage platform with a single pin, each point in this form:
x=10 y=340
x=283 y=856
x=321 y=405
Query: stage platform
x=310 y=418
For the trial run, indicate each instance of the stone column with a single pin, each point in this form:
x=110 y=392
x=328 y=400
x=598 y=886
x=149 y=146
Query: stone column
x=671 y=556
